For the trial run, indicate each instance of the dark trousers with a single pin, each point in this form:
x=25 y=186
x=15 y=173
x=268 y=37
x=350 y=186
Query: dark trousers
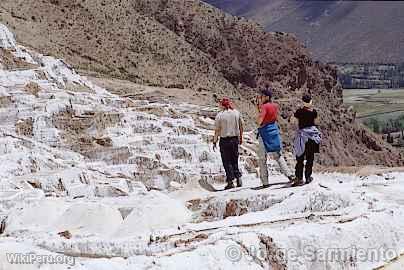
x=310 y=149
x=229 y=152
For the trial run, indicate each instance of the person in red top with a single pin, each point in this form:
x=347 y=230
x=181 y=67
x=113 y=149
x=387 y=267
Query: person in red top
x=268 y=114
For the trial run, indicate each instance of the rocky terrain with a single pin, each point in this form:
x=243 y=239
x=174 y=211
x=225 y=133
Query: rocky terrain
x=102 y=181
x=187 y=44
x=334 y=31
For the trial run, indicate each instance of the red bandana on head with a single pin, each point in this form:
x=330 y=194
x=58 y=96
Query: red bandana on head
x=226 y=103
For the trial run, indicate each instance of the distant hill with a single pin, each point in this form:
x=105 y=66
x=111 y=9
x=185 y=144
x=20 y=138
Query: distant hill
x=334 y=31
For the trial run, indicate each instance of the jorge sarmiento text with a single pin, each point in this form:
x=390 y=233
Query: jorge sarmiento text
x=33 y=258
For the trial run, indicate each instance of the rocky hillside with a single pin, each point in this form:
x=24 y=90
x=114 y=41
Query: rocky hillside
x=189 y=44
x=334 y=31
x=91 y=180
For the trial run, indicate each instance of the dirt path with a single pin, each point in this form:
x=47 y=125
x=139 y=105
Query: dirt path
x=360 y=170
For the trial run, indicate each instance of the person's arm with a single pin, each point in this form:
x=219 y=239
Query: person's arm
x=316 y=118
x=315 y=114
x=260 y=116
x=241 y=126
x=296 y=115
x=217 y=132
x=292 y=119
x=216 y=138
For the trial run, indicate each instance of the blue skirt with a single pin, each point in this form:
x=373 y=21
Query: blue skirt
x=271 y=137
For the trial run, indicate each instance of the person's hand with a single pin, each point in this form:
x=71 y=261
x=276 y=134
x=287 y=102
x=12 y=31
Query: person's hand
x=258 y=104
x=214 y=146
x=241 y=140
x=257 y=101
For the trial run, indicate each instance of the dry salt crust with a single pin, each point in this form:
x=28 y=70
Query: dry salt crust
x=136 y=203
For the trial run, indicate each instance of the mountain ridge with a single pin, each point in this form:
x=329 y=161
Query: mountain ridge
x=334 y=31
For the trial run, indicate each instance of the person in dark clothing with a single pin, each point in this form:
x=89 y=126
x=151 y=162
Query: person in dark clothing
x=229 y=127
x=306 y=116
x=229 y=154
x=307 y=141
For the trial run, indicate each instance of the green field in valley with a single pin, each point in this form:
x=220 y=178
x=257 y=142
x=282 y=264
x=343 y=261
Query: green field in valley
x=382 y=104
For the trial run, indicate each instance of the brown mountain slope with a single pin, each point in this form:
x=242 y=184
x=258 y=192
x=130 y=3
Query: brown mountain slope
x=186 y=43
x=334 y=31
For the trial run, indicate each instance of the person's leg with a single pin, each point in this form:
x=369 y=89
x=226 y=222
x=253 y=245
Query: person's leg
x=235 y=157
x=278 y=157
x=262 y=162
x=225 y=152
x=299 y=168
x=309 y=164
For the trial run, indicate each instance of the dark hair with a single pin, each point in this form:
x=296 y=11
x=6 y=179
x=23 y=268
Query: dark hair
x=306 y=98
x=266 y=92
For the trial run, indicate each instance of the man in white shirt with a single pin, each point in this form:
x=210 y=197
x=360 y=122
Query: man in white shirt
x=229 y=127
